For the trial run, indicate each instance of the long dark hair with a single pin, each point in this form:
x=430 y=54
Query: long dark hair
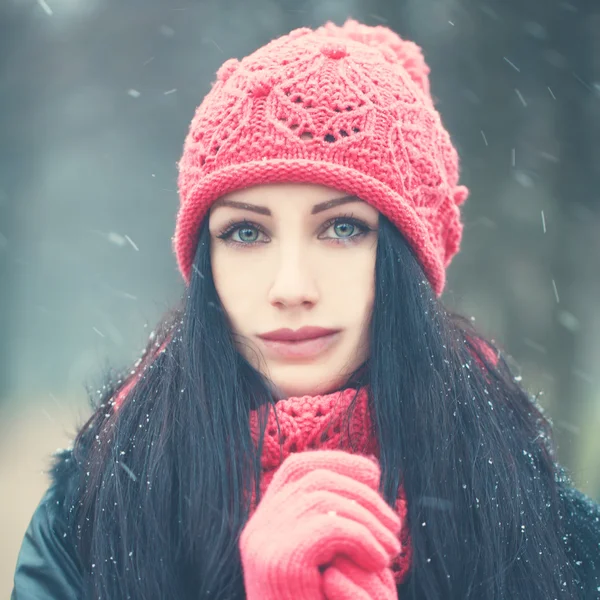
x=166 y=480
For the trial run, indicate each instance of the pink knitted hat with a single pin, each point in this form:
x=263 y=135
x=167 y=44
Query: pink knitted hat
x=347 y=107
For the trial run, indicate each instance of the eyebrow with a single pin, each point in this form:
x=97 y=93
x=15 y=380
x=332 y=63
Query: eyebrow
x=263 y=210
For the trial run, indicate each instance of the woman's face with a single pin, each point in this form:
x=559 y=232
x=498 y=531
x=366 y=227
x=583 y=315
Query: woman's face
x=294 y=267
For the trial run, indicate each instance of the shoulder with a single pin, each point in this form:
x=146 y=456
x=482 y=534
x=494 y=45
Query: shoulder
x=57 y=504
x=582 y=536
x=48 y=564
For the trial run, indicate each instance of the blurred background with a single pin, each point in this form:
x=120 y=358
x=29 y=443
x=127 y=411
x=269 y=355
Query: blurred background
x=95 y=100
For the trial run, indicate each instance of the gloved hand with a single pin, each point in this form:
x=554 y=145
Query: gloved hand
x=321 y=511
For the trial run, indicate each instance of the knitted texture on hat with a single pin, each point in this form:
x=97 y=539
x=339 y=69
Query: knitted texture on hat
x=319 y=423
x=402 y=53
x=346 y=107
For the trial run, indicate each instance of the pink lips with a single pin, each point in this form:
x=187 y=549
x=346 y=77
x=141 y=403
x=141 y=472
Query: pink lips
x=306 y=342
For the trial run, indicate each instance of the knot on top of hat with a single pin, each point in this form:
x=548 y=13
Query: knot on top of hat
x=393 y=48
x=334 y=50
x=260 y=87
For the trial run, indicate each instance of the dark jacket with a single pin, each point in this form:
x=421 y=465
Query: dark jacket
x=48 y=567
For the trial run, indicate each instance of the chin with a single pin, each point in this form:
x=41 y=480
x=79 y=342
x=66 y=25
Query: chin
x=297 y=381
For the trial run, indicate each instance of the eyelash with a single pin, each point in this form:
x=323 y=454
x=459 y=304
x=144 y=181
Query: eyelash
x=230 y=228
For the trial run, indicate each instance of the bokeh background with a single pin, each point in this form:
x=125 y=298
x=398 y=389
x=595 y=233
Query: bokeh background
x=95 y=100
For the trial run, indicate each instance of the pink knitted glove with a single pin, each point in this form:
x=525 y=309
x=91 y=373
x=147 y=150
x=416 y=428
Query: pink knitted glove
x=321 y=507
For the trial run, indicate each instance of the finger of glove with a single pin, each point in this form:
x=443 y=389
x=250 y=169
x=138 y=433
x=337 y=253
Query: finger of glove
x=296 y=466
x=325 y=537
x=343 y=577
x=335 y=506
x=293 y=496
x=337 y=586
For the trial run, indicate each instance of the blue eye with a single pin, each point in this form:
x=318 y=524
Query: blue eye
x=344 y=229
x=247 y=234
x=243 y=233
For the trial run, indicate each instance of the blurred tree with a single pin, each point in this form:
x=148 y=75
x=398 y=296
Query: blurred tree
x=12 y=23
x=575 y=54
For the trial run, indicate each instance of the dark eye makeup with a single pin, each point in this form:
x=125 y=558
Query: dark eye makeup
x=237 y=228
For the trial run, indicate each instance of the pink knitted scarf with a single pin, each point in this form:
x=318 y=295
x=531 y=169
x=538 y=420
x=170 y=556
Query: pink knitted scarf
x=319 y=422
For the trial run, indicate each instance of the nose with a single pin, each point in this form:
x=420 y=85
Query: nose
x=294 y=282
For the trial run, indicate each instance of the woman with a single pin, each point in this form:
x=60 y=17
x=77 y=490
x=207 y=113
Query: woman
x=312 y=423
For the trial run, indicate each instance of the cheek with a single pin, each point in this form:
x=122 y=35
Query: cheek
x=349 y=282
x=239 y=287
